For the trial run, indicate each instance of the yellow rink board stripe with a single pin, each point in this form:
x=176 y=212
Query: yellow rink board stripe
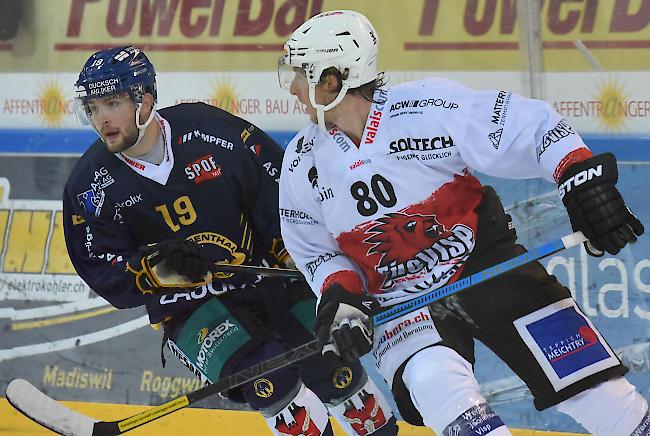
x=186 y=422
x=61 y=319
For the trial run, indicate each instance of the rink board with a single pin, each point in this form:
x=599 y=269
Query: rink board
x=65 y=340
x=186 y=422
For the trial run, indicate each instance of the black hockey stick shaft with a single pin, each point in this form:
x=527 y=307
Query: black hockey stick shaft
x=104 y=428
x=311 y=348
x=261 y=270
x=113 y=428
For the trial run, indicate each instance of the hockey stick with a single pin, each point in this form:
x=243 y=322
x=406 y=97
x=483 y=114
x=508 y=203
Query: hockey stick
x=567 y=241
x=166 y=280
x=261 y=270
x=53 y=415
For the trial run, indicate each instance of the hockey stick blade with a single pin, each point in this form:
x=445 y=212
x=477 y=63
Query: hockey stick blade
x=261 y=270
x=55 y=416
x=565 y=242
x=38 y=407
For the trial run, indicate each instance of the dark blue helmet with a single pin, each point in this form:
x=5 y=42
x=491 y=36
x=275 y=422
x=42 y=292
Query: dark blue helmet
x=116 y=70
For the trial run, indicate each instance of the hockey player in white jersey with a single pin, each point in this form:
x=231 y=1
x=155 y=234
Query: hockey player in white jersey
x=378 y=205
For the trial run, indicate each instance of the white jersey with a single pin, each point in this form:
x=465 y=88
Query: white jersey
x=399 y=209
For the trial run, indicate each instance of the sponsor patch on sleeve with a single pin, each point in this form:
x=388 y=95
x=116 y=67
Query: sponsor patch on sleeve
x=565 y=343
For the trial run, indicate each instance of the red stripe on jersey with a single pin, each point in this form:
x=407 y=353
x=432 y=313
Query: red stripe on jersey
x=349 y=280
x=574 y=157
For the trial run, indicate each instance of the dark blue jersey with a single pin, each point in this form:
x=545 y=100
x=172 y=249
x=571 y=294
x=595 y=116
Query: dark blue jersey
x=217 y=185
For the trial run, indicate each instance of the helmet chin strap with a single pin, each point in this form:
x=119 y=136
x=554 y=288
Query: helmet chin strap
x=142 y=127
x=320 y=109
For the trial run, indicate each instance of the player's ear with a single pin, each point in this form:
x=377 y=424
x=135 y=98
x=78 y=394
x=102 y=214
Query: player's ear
x=147 y=106
x=330 y=82
x=147 y=102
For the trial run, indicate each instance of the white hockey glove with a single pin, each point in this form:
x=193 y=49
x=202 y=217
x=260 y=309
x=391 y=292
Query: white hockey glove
x=343 y=323
x=171 y=264
x=596 y=207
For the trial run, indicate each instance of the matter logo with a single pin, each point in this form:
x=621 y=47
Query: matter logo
x=500 y=109
x=495 y=138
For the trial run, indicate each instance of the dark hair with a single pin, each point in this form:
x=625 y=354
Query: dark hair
x=367 y=90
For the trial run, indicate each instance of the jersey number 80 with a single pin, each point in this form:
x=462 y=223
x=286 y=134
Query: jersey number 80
x=380 y=188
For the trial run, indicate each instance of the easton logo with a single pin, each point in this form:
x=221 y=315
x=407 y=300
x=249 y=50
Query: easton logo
x=202 y=169
x=413 y=244
x=580 y=178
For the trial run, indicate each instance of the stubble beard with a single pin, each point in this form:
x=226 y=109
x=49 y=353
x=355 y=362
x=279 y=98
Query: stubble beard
x=127 y=142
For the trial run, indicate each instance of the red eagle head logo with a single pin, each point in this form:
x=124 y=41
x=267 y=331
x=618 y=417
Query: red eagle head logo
x=398 y=236
x=302 y=424
x=368 y=418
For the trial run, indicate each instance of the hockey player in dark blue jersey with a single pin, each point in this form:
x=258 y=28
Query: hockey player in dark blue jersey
x=161 y=197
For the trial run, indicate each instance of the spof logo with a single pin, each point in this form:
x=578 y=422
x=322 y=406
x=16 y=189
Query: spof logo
x=202 y=169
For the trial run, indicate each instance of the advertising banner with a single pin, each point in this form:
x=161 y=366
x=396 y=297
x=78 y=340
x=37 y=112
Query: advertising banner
x=592 y=102
x=247 y=35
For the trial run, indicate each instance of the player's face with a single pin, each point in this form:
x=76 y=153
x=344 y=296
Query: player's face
x=300 y=88
x=114 y=118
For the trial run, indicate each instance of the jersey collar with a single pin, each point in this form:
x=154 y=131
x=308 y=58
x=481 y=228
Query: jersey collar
x=157 y=173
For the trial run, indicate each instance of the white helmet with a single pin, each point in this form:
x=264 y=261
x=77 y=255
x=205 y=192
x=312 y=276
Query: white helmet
x=342 y=39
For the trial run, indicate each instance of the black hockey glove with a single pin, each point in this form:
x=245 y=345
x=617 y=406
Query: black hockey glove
x=171 y=264
x=596 y=207
x=343 y=323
